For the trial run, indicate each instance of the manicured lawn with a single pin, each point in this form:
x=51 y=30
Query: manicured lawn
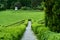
x=11 y=16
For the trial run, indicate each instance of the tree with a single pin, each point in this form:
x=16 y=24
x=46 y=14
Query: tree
x=8 y=4
x=2 y=4
x=35 y=3
x=52 y=16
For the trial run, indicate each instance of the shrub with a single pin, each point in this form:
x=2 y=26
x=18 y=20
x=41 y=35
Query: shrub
x=2 y=7
x=26 y=22
x=12 y=33
x=41 y=33
x=39 y=8
x=44 y=33
x=25 y=8
x=35 y=26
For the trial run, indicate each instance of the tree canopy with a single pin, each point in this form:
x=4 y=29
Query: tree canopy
x=7 y=4
x=52 y=16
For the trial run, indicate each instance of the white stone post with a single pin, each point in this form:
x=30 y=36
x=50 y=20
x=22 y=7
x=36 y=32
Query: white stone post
x=16 y=8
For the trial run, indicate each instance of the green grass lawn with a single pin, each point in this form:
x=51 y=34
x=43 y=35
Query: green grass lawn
x=11 y=16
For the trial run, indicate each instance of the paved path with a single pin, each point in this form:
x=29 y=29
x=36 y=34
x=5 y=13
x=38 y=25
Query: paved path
x=29 y=35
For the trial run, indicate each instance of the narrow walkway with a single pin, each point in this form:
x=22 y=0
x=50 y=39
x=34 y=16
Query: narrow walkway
x=29 y=35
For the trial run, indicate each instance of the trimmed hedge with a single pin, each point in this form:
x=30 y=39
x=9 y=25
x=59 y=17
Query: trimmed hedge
x=35 y=25
x=26 y=22
x=14 y=32
x=44 y=33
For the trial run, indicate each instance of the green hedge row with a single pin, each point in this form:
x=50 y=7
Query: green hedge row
x=44 y=33
x=12 y=32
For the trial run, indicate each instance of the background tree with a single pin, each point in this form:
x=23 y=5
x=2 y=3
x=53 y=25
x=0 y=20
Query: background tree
x=35 y=3
x=9 y=4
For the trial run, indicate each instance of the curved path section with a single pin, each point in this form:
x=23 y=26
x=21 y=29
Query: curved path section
x=29 y=35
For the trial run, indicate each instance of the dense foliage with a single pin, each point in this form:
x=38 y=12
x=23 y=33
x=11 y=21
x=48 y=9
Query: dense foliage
x=8 y=4
x=44 y=33
x=53 y=14
x=12 y=32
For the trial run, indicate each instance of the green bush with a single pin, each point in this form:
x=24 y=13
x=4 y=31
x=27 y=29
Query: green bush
x=41 y=21
x=26 y=22
x=25 y=8
x=12 y=33
x=2 y=7
x=35 y=26
x=39 y=8
x=41 y=31
x=44 y=33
